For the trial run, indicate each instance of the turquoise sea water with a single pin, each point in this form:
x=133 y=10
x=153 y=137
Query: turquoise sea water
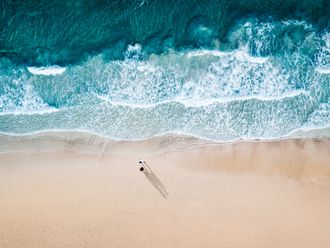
x=219 y=70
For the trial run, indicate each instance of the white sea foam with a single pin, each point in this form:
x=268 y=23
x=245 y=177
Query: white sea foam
x=323 y=56
x=23 y=99
x=323 y=70
x=47 y=71
x=31 y=112
x=215 y=53
x=204 y=103
x=239 y=54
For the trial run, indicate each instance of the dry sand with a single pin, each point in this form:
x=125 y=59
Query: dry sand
x=245 y=194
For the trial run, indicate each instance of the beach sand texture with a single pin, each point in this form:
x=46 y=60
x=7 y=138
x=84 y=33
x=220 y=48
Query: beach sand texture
x=241 y=194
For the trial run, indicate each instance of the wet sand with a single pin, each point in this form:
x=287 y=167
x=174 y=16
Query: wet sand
x=242 y=194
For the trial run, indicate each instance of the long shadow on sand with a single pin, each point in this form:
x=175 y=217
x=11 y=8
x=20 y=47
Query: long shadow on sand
x=154 y=180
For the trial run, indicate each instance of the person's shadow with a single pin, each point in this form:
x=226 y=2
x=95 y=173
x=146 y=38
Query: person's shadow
x=154 y=180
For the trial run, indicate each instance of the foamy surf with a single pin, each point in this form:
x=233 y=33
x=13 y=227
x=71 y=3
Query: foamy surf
x=204 y=103
x=323 y=70
x=252 y=91
x=47 y=71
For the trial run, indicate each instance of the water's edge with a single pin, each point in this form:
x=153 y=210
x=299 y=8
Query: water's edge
x=91 y=143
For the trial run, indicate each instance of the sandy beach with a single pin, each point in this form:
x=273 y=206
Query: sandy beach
x=242 y=194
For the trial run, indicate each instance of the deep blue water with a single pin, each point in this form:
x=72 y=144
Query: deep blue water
x=220 y=70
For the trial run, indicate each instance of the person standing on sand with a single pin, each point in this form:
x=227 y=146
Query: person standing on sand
x=144 y=167
x=141 y=162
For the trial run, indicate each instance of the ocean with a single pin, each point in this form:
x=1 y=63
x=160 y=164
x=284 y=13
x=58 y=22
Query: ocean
x=133 y=69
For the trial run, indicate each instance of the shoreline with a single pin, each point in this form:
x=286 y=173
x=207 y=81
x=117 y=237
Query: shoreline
x=79 y=141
